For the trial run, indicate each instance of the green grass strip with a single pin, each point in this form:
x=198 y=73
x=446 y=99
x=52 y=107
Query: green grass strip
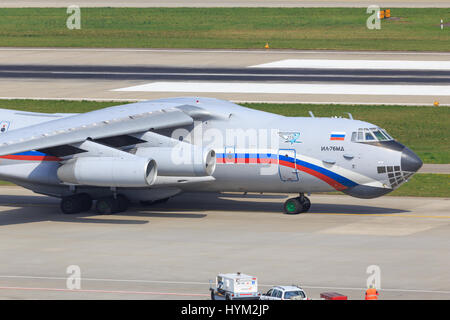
x=414 y=29
x=425 y=185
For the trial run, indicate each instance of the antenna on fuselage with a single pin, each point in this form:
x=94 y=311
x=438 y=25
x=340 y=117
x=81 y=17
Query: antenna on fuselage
x=350 y=116
x=311 y=114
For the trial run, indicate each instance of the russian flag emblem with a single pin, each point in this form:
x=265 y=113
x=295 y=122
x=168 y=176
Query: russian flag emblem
x=337 y=136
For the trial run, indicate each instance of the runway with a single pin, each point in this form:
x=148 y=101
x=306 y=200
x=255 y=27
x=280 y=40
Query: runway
x=285 y=75
x=171 y=251
x=238 y=75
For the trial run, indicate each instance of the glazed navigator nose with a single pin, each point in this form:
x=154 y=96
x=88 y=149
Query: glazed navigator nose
x=410 y=161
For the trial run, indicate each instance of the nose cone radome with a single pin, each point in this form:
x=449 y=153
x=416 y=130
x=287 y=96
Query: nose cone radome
x=410 y=161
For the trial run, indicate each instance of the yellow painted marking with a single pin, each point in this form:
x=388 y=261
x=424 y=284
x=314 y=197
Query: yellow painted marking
x=381 y=215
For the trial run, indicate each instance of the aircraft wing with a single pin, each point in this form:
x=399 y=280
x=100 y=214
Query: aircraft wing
x=101 y=125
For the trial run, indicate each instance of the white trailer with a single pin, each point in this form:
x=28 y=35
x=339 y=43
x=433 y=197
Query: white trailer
x=235 y=286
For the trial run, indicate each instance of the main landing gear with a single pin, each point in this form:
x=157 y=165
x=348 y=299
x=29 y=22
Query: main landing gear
x=76 y=203
x=109 y=205
x=297 y=205
x=82 y=202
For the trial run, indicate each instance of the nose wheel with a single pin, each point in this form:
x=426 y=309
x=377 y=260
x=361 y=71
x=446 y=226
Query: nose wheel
x=297 y=205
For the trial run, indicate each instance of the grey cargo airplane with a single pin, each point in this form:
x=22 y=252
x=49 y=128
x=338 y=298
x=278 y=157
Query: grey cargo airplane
x=151 y=151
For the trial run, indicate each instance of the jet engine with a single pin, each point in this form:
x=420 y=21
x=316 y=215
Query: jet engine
x=184 y=160
x=109 y=171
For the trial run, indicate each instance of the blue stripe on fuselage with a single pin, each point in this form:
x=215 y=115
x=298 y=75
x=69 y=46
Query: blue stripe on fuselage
x=337 y=177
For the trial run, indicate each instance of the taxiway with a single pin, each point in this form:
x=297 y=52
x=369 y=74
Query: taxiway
x=171 y=251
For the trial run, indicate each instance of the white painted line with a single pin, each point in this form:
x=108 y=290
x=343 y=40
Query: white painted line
x=357 y=64
x=107 y=291
x=290 y=88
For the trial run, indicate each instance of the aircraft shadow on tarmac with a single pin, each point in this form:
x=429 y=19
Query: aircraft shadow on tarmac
x=26 y=209
x=249 y=203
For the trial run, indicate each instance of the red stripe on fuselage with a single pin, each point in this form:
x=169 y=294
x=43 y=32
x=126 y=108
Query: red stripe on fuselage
x=322 y=177
x=338 y=186
x=30 y=158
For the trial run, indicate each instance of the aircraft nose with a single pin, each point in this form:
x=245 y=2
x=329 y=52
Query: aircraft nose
x=410 y=161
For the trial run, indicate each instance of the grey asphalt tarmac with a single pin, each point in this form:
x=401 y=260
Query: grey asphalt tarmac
x=311 y=75
x=94 y=74
x=435 y=168
x=171 y=251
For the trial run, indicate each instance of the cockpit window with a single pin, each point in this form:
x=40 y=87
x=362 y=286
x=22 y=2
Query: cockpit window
x=386 y=134
x=370 y=135
x=379 y=135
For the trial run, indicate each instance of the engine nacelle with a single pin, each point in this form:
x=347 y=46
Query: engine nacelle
x=109 y=172
x=183 y=160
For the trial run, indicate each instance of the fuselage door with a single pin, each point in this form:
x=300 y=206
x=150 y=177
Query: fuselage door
x=286 y=165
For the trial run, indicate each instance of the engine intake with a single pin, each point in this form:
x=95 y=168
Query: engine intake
x=109 y=172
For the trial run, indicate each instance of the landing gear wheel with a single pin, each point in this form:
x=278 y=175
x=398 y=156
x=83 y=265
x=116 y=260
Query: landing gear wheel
x=85 y=201
x=70 y=205
x=76 y=203
x=111 y=205
x=306 y=204
x=293 y=206
x=123 y=203
x=107 y=205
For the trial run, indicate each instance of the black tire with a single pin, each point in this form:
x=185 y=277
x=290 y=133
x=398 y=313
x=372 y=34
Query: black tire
x=213 y=297
x=227 y=297
x=306 y=204
x=123 y=203
x=107 y=205
x=293 y=206
x=70 y=205
x=85 y=201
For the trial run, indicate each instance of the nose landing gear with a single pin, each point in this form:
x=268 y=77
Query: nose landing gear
x=297 y=205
